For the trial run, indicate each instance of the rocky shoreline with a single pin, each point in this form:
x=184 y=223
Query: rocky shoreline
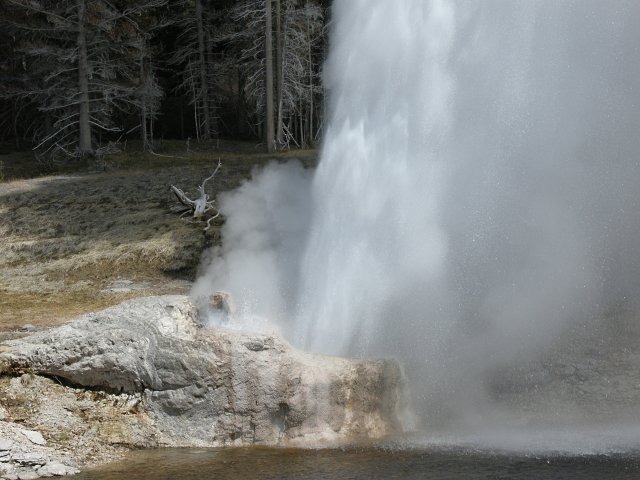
x=149 y=373
x=25 y=456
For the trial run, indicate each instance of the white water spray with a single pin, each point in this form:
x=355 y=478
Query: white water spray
x=478 y=195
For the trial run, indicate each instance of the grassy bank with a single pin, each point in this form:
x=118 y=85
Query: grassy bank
x=84 y=239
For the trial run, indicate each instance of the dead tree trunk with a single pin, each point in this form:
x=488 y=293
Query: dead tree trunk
x=143 y=107
x=202 y=58
x=199 y=207
x=310 y=66
x=213 y=116
x=84 y=119
x=269 y=127
x=280 y=74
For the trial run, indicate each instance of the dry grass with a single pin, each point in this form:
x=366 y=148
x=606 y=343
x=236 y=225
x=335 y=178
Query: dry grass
x=66 y=239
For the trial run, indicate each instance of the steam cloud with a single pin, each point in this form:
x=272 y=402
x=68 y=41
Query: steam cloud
x=478 y=193
x=264 y=235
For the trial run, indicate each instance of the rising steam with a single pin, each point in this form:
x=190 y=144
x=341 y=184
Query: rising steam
x=478 y=194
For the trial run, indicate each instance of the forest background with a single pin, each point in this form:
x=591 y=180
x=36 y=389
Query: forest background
x=82 y=79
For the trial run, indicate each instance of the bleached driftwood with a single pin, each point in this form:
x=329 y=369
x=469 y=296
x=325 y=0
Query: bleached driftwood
x=201 y=205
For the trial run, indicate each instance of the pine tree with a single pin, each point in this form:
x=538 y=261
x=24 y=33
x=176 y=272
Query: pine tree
x=82 y=60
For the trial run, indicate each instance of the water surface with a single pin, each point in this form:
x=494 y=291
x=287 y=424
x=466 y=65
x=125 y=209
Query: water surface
x=362 y=463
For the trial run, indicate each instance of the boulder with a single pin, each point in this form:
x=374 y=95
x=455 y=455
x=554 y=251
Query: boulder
x=28 y=475
x=6 y=444
x=56 y=469
x=29 y=458
x=22 y=458
x=33 y=436
x=214 y=386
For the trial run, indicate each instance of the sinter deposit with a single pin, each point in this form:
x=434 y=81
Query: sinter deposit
x=178 y=383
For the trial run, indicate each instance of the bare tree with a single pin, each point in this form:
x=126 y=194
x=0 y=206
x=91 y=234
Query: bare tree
x=90 y=70
x=16 y=115
x=202 y=205
x=298 y=41
x=303 y=35
x=279 y=73
x=268 y=41
x=148 y=96
x=84 y=116
x=195 y=56
x=245 y=35
x=83 y=63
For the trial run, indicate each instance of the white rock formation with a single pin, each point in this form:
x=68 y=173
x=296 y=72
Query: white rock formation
x=22 y=458
x=210 y=387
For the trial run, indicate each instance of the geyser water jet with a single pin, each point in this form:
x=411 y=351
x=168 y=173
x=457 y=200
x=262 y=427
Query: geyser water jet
x=477 y=200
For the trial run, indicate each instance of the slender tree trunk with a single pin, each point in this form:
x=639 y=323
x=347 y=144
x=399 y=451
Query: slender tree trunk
x=15 y=115
x=213 y=119
x=280 y=77
x=270 y=133
x=202 y=59
x=194 y=93
x=241 y=105
x=143 y=106
x=301 y=122
x=181 y=122
x=83 y=83
x=310 y=60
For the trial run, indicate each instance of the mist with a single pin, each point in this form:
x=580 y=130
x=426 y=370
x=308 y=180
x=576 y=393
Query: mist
x=267 y=220
x=477 y=200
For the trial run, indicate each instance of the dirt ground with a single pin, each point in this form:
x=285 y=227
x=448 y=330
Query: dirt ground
x=79 y=242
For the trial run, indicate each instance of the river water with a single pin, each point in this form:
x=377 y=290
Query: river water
x=363 y=463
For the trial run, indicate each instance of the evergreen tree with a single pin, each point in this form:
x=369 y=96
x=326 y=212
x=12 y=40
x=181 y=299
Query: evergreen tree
x=84 y=64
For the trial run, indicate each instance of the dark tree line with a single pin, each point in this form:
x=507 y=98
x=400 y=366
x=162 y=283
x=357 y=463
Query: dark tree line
x=81 y=77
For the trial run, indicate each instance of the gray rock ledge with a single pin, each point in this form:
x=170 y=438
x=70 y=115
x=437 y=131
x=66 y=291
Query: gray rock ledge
x=212 y=387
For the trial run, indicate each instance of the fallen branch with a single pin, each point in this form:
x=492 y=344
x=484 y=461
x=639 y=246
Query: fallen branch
x=201 y=205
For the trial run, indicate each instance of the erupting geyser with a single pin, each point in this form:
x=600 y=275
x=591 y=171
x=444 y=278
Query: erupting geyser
x=477 y=202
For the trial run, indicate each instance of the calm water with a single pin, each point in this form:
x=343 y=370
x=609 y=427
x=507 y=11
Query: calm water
x=361 y=463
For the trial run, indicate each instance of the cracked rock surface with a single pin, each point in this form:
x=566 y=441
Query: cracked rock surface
x=148 y=373
x=24 y=455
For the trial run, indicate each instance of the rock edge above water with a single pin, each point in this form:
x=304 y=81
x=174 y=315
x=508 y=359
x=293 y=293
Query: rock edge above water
x=204 y=386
